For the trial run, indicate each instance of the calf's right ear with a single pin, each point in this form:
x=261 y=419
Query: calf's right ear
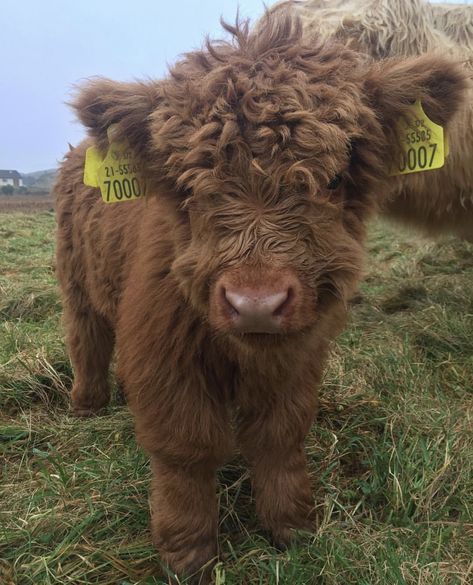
x=438 y=82
x=101 y=103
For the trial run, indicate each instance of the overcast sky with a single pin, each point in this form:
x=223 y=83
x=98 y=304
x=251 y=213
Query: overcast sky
x=46 y=46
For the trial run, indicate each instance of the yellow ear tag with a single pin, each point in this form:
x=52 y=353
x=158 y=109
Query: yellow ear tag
x=423 y=145
x=116 y=174
x=93 y=160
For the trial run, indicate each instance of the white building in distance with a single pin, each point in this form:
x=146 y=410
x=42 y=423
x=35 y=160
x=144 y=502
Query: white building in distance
x=12 y=178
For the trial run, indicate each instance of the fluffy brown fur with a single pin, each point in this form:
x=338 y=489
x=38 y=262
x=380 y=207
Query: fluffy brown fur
x=240 y=146
x=437 y=201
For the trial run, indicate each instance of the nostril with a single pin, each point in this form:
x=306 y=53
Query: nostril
x=227 y=303
x=284 y=305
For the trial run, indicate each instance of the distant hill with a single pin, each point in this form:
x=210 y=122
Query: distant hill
x=39 y=180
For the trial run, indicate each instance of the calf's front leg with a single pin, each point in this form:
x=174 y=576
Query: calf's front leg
x=187 y=435
x=283 y=492
x=184 y=515
x=273 y=426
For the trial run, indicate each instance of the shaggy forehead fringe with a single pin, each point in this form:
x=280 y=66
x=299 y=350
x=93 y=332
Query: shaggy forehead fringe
x=245 y=107
x=276 y=33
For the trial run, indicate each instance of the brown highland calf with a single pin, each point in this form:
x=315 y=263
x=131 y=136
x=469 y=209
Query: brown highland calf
x=222 y=290
x=437 y=202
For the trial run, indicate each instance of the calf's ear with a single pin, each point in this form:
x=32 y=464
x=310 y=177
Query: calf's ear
x=101 y=103
x=439 y=83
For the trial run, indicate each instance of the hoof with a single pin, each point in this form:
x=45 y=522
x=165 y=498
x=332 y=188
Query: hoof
x=86 y=404
x=194 y=566
x=286 y=536
x=85 y=412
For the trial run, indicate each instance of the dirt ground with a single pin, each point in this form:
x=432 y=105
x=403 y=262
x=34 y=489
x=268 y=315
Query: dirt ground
x=26 y=203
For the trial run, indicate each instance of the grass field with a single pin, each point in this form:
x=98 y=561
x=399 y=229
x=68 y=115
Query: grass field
x=391 y=453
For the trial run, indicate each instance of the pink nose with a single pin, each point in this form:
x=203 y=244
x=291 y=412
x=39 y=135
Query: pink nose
x=257 y=311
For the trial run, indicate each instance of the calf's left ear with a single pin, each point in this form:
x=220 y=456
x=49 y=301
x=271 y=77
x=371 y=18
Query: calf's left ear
x=439 y=83
x=101 y=103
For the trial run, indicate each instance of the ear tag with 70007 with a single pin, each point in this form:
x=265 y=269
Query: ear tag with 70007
x=116 y=174
x=423 y=146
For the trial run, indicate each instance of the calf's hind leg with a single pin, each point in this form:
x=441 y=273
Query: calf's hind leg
x=90 y=341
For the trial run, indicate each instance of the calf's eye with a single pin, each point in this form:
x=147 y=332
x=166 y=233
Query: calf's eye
x=335 y=182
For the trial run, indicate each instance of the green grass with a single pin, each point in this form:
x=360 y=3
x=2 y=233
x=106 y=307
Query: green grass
x=391 y=453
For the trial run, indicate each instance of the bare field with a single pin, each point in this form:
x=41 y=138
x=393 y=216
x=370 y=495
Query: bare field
x=26 y=203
